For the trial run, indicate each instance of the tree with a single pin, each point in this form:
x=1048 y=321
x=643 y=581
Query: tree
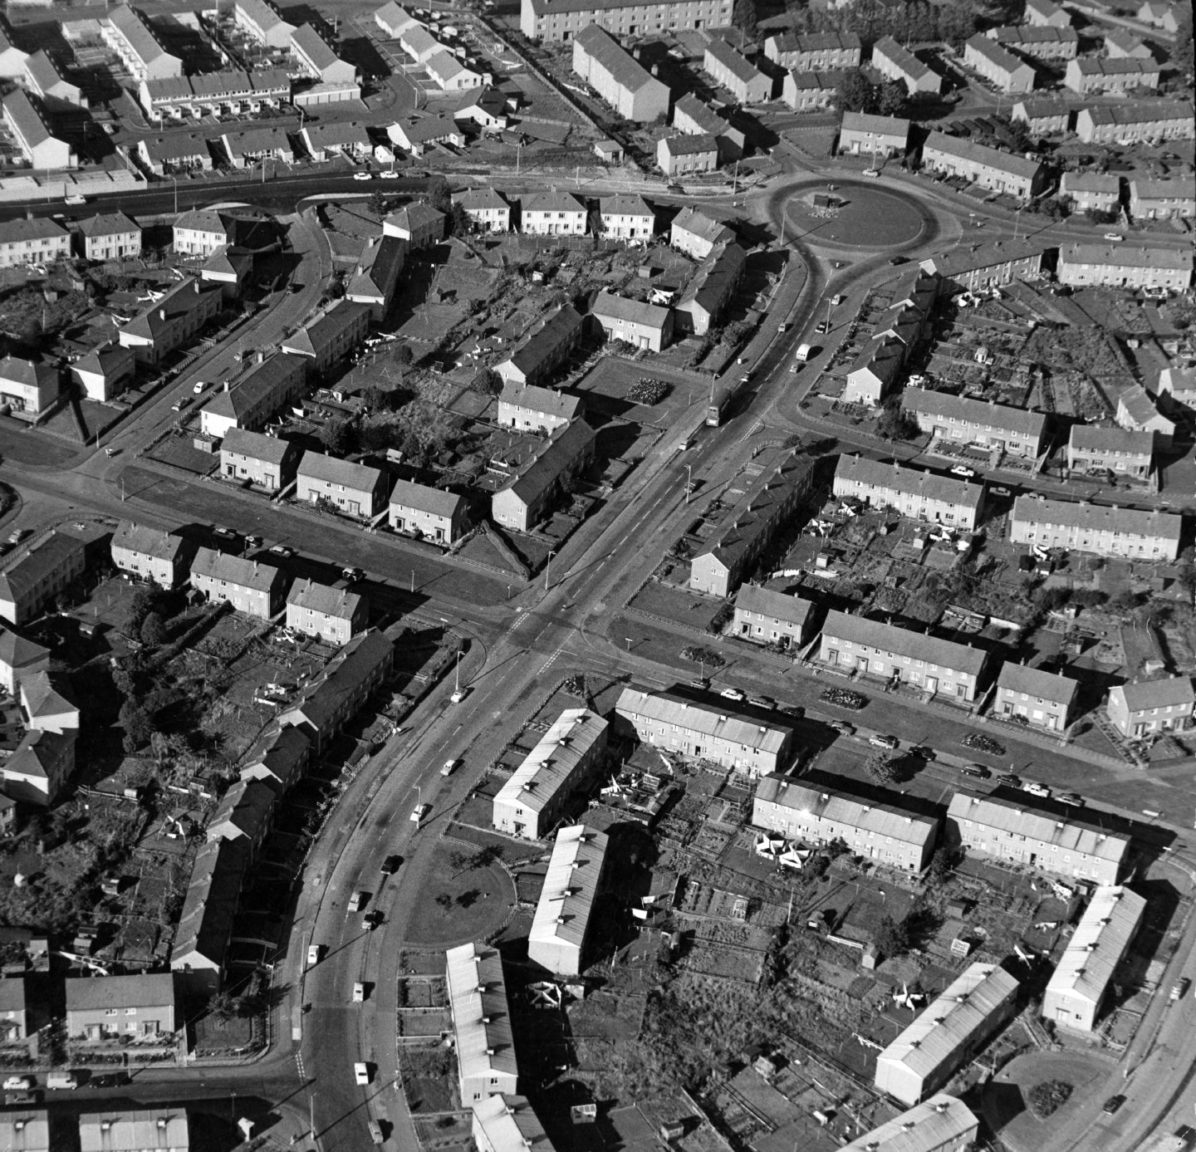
x=445 y=901
x=487 y=382
x=940 y=865
x=458 y=221
x=1048 y=1097
x=338 y=436
x=138 y=726
x=1182 y=54
x=892 y=937
x=854 y=92
x=142 y=605
x=882 y=768
x=439 y=195
x=895 y=423
x=153 y=630
x=223 y=1007
x=744 y=17
x=956 y=21
x=890 y=98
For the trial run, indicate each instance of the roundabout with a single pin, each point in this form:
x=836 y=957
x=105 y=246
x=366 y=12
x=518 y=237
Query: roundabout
x=853 y=216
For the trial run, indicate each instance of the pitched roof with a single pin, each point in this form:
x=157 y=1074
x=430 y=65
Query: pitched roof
x=1096 y=947
x=320 y=704
x=705 y=117
x=87 y=993
x=981 y=155
x=443 y=65
x=510 y=1124
x=738 y=65
x=1139 y=112
x=553 y=201
x=474 y=199
x=152 y=1127
x=1096 y=518
x=875 y=125
x=1038 y=683
x=183 y=298
x=1109 y=185
x=625 y=204
x=43 y=694
x=108 y=224
x=210 y=906
x=1118 y=66
x=44 y=74
x=696 y=222
x=712 y=281
x=18 y=652
x=28 y=373
x=994 y=54
x=338 y=134
x=39 y=228
x=236 y=570
x=336 y=602
x=606 y=304
x=262 y=381
x=839 y=807
x=980 y=413
x=1089 y=438
x=415 y=217
x=330 y=470
x=244 y=810
x=481 y=1015
x=541 y=470
x=626 y=71
x=425 y=498
x=546 y=401
x=902 y=642
x=570 y=886
x=536 y=782
x=164 y=149
x=30 y=568
x=378 y=271
x=1177 y=256
x=714 y=720
x=910 y=481
x=314 y=338
x=690 y=144
x=26 y=112
x=308 y=41
x=902 y=57
x=1177 y=188
x=543 y=337
x=772 y=604
x=156 y=543
x=1143 y=695
x=139 y=32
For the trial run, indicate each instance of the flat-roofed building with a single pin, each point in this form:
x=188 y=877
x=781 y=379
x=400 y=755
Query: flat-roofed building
x=332 y=337
x=150 y=554
x=896 y=62
x=1126 y=533
x=1080 y=985
x=525 y=499
x=919 y=495
x=1039 y=698
x=507 y=1123
x=987 y=167
x=627 y=217
x=559 y=936
x=947 y=1033
x=941 y=1123
x=553 y=213
x=810 y=91
x=486 y=209
x=814 y=51
x=1151 y=707
x=248 y=585
x=1046 y=13
x=565 y=760
x=352 y=489
x=705 y=731
x=36 y=241
x=318 y=59
x=710 y=289
x=39 y=574
x=251 y=402
x=1091 y=191
x=1129 y=121
x=988 y=265
x=1091 y=449
x=544 y=347
x=644 y=326
x=431 y=513
x=335 y=615
x=936 y=667
x=989 y=59
x=1173 y=199
x=734 y=72
x=761 y=504
x=686 y=154
x=264 y=22
x=1014 y=431
x=1089 y=74
x=768 y=617
x=696 y=234
x=480 y=1012
x=564 y=19
x=33 y=134
x=1040 y=42
x=818 y=814
x=153 y=1129
x=862 y=134
x=618 y=77
x=986 y=826
x=129 y=33
x=694 y=118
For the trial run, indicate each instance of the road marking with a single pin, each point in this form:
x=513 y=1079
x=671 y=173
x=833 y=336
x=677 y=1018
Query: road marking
x=299 y=1065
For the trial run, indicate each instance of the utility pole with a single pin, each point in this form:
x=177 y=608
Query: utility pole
x=548 y=567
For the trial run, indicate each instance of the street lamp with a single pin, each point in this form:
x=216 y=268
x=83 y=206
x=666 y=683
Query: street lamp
x=548 y=567
x=689 y=476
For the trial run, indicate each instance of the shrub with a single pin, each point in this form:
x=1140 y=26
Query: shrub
x=1048 y=1097
x=647 y=391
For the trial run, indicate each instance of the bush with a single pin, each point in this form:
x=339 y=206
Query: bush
x=1048 y=1097
x=705 y=656
x=844 y=698
x=648 y=391
x=982 y=743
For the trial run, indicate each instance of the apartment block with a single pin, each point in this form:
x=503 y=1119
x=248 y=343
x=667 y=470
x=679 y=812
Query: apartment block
x=1124 y=533
x=919 y=495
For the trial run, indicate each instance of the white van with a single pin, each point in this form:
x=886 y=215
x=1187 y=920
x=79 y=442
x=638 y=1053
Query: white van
x=803 y=353
x=65 y=1080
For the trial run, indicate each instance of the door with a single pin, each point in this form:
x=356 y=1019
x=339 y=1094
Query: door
x=932 y=685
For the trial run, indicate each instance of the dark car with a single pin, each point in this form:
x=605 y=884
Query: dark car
x=1071 y=798
x=1113 y=1103
x=977 y=770
x=899 y=260
x=391 y=865
x=766 y=702
x=1010 y=779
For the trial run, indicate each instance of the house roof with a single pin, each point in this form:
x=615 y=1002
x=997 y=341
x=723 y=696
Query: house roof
x=481 y=1015
x=227 y=82
x=1089 y=438
x=543 y=338
x=257 y=141
x=1037 y=682
x=1096 y=518
x=705 y=117
x=12 y=994
x=510 y=1124
x=1018 y=34
x=1138 y=406
x=425 y=498
x=330 y=470
x=39 y=228
x=153 y=1127
x=181 y=300
x=18 y=652
x=428 y=129
x=30 y=568
x=1096 y=947
x=1090 y=182
x=339 y=603
x=1117 y=66
x=625 y=204
x=139 y=32
x=553 y=201
x=474 y=199
x=738 y=65
x=998 y=57
x=338 y=134
x=690 y=144
x=393 y=16
x=418 y=40
x=88 y=993
x=44 y=73
x=772 y=604
x=901 y=56
x=43 y=694
x=570 y=886
x=902 y=642
x=307 y=41
x=542 y=469
x=236 y=570
x=716 y=275
x=830 y=804
x=377 y=272
x=323 y=333
x=322 y=700
x=982 y=155
x=551 y=763
x=814 y=42
x=546 y=401
x=910 y=481
x=613 y=307
x=26 y=112
x=804 y=81
x=210 y=906
x=939 y=1122
x=1139 y=112
x=414 y=217
x=281 y=751
x=163 y=149
x=444 y=66
x=244 y=810
x=108 y=224
x=697 y=223
x=626 y=71
x=714 y=720
x=894 y=126
x=156 y=543
x=263 y=13
x=1178 y=256
x=485 y=98
x=1182 y=188
x=944 y=1029
x=1143 y=695
x=980 y=413
x=28 y=373
x=262 y=381
x=1075 y=834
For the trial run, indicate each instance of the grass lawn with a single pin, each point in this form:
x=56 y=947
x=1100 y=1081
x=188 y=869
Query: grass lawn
x=676 y=604
x=465 y=903
x=871 y=218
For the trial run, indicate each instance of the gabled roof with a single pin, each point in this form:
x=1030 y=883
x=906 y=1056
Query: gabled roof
x=320 y=704
x=475 y=199
x=327 y=601
x=510 y=1124
x=44 y=73
x=57 y=551
x=151 y=1127
x=544 y=336
x=27 y=373
x=308 y=41
x=39 y=228
x=875 y=125
x=899 y=479
x=606 y=304
x=570 y=887
x=26 y=112
x=553 y=201
x=980 y=413
x=697 y=223
x=185 y=146
x=480 y=1013
x=320 y=334
x=738 y=65
x=444 y=66
x=536 y=782
x=901 y=56
x=108 y=224
x=625 y=204
x=244 y=810
x=210 y=906
x=714 y=720
x=1037 y=682
x=330 y=470
x=772 y=604
x=1097 y=518
x=236 y=570
x=1176 y=257
x=626 y=71
x=87 y=993
x=139 y=32
x=182 y=299
x=415 y=217
x=947 y=654
x=1143 y=695
x=546 y=401
x=257 y=446
x=838 y=807
x=1089 y=438
x=424 y=498
x=690 y=144
x=712 y=281
x=542 y=470
x=939 y=1122
x=998 y=57
x=378 y=271
x=156 y=543
x=43 y=694
x=338 y=134
x=980 y=154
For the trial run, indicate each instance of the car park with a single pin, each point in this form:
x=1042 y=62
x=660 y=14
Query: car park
x=391 y=865
x=361 y=1073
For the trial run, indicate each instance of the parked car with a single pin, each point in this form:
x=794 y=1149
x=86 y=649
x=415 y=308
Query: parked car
x=1036 y=789
x=732 y=694
x=882 y=741
x=19 y=535
x=762 y=702
x=1113 y=1103
x=977 y=770
x=19 y=1084
x=362 y=176
x=1000 y=490
x=895 y=260
x=198 y=387
x=960 y=470
x=282 y=550
x=388 y=175
x=1115 y=237
x=1010 y=779
x=419 y=812
x=358 y=900
x=352 y=574
x=1180 y=988
x=376 y=1136
x=359 y=993
x=371 y=920
x=1073 y=799
x=361 y=1073
x=314 y=952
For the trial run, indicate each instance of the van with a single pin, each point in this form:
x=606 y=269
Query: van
x=803 y=354
x=64 y=1080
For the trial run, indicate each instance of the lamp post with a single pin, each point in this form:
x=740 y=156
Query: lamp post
x=548 y=567
x=689 y=475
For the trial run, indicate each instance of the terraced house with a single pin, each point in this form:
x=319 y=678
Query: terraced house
x=814 y=51
x=1002 y=69
x=710 y=289
x=734 y=72
x=987 y=167
x=33 y=134
x=1091 y=74
x=621 y=80
x=262 y=20
x=1125 y=266
x=331 y=338
x=963 y=420
x=895 y=62
x=165 y=326
x=486 y=210
x=544 y=347
x=810 y=91
x=564 y=19
x=250 y=402
x=684 y=155
x=863 y=135
x=1042 y=42
x=693 y=118
x=1131 y=120
x=920 y=495
x=872 y=648
x=1173 y=199
x=37 y=576
x=1103 y=531
x=132 y=37
x=560 y=938
x=524 y=500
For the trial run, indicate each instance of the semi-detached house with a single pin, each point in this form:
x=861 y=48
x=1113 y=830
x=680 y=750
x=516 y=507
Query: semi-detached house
x=1152 y=707
x=110 y=236
x=1091 y=191
x=627 y=217
x=646 y=326
x=553 y=214
x=36 y=241
x=939 y=668
x=251 y=457
x=531 y=408
x=896 y=62
x=1117 y=450
x=688 y=153
x=696 y=234
x=28 y=388
x=1046 y=13
x=432 y=513
x=1038 y=698
x=486 y=209
x=810 y=91
x=1002 y=69
x=249 y=586
x=705 y=731
x=1173 y=199
x=692 y=117
x=353 y=489
x=919 y=495
x=820 y=814
x=150 y=554
x=862 y=134
x=621 y=80
x=134 y=1010
x=1124 y=533
x=765 y=616
x=335 y=615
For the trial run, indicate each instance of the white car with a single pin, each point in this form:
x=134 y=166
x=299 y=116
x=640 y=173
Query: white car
x=361 y=1073
x=419 y=812
x=960 y=470
x=313 y=954
x=18 y=1084
x=198 y=387
x=362 y=176
x=388 y=175
x=359 y=993
x=1116 y=237
x=450 y=766
x=732 y=694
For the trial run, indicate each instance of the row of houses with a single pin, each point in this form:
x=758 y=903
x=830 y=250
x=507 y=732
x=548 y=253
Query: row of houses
x=315 y=58
x=160 y=1129
x=447 y=66
x=1142 y=199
